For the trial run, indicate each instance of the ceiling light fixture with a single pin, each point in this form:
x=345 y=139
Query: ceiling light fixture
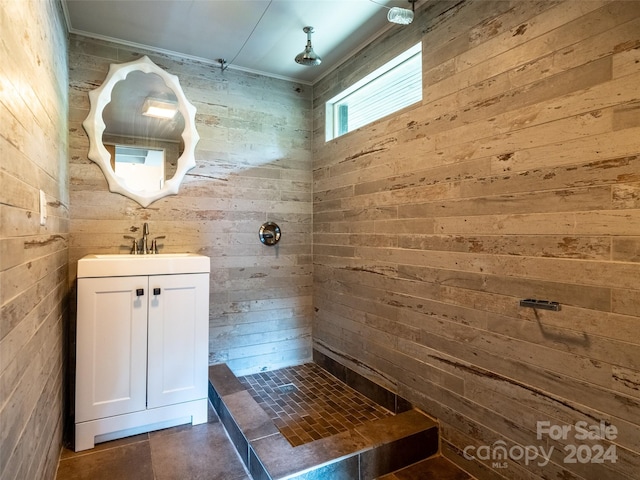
x=154 y=107
x=402 y=16
x=308 y=56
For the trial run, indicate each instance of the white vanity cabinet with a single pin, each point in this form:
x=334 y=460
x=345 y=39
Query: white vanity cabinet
x=141 y=351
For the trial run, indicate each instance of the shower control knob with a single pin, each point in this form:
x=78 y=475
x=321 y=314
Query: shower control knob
x=269 y=233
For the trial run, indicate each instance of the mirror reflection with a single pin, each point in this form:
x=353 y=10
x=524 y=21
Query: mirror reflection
x=143 y=133
x=140 y=168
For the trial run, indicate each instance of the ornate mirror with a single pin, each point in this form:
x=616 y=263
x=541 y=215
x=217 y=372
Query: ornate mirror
x=141 y=130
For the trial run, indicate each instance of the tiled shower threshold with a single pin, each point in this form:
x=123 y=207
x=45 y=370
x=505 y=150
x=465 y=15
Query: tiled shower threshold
x=368 y=446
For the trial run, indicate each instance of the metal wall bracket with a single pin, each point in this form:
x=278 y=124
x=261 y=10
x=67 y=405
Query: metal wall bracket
x=541 y=304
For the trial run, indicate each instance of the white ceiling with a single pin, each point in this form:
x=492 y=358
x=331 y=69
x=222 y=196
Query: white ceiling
x=260 y=36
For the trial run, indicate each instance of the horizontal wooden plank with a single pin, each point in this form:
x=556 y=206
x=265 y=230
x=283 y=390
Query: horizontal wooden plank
x=578 y=272
x=586 y=247
x=596 y=222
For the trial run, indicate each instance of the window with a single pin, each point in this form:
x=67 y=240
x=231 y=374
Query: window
x=395 y=85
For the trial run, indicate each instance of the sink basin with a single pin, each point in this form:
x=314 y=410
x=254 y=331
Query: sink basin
x=125 y=265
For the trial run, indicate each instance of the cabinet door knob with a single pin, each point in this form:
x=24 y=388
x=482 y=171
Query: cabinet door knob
x=139 y=292
x=156 y=291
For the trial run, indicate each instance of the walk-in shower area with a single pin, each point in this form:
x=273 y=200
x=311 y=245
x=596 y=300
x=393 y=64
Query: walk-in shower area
x=303 y=422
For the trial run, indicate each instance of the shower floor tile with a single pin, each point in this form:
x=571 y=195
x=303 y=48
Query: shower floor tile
x=306 y=403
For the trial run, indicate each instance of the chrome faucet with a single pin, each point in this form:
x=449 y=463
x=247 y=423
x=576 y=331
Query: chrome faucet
x=145 y=239
x=142 y=247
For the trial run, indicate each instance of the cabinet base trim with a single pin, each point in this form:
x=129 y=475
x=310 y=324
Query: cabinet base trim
x=87 y=434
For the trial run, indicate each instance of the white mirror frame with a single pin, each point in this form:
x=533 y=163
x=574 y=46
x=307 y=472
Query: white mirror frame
x=94 y=126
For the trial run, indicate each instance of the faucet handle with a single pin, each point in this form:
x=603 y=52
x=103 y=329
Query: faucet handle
x=154 y=243
x=134 y=245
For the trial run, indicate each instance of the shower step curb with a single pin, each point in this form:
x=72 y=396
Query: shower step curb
x=433 y=467
x=366 y=452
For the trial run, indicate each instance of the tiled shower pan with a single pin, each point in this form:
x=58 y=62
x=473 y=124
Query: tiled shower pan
x=304 y=423
x=306 y=403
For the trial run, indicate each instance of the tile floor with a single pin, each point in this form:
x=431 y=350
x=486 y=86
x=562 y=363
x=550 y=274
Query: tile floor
x=307 y=403
x=200 y=452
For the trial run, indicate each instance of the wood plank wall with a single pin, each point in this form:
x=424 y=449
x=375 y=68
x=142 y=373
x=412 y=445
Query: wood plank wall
x=33 y=258
x=253 y=165
x=518 y=176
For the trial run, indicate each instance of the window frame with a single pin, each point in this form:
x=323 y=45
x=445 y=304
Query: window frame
x=334 y=115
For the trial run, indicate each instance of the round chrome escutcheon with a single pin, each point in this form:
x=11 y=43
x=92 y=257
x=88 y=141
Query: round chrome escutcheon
x=269 y=233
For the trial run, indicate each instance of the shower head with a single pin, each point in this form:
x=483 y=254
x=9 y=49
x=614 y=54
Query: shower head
x=308 y=56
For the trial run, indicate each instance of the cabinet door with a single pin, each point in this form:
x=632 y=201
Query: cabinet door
x=111 y=350
x=178 y=338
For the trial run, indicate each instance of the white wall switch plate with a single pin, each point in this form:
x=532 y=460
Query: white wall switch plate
x=43 y=208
